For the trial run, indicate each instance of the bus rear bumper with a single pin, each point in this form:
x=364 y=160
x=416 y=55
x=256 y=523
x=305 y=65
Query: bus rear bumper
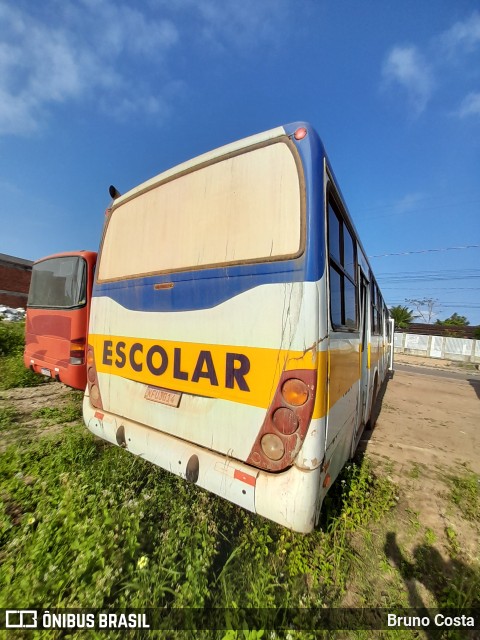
x=288 y=498
x=74 y=376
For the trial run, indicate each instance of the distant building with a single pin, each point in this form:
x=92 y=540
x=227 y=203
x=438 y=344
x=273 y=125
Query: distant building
x=15 y=275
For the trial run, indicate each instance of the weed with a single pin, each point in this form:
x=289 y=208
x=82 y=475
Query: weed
x=13 y=373
x=413 y=518
x=55 y=415
x=12 y=338
x=465 y=493
x=414 y=472
x=462 y=590
x=452 y=539
x=430 y=537
x=8 y=417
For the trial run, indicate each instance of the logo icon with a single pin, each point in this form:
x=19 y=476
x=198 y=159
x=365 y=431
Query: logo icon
x=20 y=619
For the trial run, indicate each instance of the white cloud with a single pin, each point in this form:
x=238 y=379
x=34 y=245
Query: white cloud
x=241 y=23
x=470 y=105
x=410 y=202
x=407 y=67
x=69 y=55
x=445 y=62
x=463 y=36
x=108 y=52
x=238 y=24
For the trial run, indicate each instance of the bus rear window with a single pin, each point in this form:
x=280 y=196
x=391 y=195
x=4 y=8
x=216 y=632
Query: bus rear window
x=58 y=283
x=243 y=208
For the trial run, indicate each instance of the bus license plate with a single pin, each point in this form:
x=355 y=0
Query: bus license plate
x=45 y=372
x=164 y=396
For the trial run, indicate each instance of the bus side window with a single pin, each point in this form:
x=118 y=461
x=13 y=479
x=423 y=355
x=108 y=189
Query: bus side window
x=343 y=286
x=377 y=305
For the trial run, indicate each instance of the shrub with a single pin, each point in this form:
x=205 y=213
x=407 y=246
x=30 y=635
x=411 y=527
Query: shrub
x=12 y=338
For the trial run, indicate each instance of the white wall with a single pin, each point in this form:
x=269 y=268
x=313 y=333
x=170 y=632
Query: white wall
x=459 y=349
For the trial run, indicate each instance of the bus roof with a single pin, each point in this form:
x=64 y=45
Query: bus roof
x=64 y=254
x=199 y=160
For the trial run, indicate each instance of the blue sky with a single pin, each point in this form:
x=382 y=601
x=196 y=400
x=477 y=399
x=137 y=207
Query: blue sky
x=94 y=92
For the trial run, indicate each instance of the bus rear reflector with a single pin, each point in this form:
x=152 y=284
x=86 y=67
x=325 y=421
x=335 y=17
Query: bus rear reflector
x=245 y=477
x=286 y=423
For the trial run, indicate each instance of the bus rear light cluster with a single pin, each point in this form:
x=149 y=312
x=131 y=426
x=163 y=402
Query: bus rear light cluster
x=77 y=351
x=286 y=423
x=92 y=380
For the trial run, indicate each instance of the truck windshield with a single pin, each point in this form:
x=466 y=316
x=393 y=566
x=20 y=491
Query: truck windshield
x=58 y=283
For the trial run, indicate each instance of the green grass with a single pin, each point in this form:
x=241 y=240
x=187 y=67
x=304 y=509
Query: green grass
x=465 y=494
x=8 y=416
x=13 y=372
x=55 y=415
x=12 y=338
x=84 y=524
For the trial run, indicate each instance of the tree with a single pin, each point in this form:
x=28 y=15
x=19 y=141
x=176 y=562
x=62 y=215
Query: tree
x=425 y=308
x=455 y=320
x=402 y=316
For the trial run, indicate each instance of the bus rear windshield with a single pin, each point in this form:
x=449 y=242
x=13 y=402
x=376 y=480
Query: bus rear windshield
x=243 y=208
x=59 y=283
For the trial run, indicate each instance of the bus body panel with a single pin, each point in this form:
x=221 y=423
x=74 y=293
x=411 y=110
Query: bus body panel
x=136 y=352
x=48 y=338
x=187 y=358
x=289 y=498
x=53 y=333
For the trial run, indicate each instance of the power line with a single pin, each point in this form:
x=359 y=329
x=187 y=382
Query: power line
x=409 y=280
x=443 y=275
x=409 y=286
x=410 y=206
x=407 y=253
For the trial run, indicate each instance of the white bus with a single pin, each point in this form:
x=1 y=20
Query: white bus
x=237 y=335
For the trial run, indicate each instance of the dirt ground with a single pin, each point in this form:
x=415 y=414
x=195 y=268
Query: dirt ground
x=428 y=432
x=26 y=401
x=429 y=420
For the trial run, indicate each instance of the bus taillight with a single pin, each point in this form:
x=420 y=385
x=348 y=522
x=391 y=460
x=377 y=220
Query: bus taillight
x=77 y=351
x=92 y=380
x=286 y=423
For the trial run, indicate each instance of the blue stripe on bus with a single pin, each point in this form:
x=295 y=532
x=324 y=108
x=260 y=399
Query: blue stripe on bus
x=195 y=290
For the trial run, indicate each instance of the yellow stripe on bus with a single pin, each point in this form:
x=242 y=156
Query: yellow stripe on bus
x=238 y=374
x=242 y=374
x=343 y=372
